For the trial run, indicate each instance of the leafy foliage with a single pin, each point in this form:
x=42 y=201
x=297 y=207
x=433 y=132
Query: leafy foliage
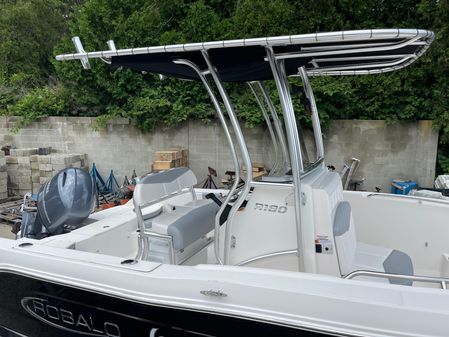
x=408 y=94
x=417 y=92
x=38 y=103
x=29 y=31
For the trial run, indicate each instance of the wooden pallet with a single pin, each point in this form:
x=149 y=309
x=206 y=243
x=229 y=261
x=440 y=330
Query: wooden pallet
x=10 y=218
x=10 y=211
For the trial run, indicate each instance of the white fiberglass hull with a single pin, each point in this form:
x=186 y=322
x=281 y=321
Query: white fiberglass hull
x=291 y=303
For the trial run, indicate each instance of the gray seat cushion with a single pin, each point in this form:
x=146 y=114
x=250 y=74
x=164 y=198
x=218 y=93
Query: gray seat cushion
x=198 y=219
x=165 y=177
x=399 y=263
x=367 y=257
x=342 y=218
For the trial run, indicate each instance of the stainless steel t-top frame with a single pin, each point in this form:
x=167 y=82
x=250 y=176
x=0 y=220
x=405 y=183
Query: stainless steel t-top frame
x=315 y=117
x=275 y=166
x=235 y=160
x=282 y=159
x=285 y=158
x=336 y=53
x=278 y=70
x=244 y=151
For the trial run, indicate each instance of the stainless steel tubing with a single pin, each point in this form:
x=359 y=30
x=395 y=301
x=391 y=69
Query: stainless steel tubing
x=427 y=279
x=231 y=148
x=143 y=248
x=294 y=145
x=269 y=125
x=315 y=117
x=277 y=126
x=348 y=51
x=243 y=149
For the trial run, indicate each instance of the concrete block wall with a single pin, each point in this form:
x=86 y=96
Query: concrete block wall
x=405 y=150
x=387 y=152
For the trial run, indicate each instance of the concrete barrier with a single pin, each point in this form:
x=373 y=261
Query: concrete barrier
x=406 y=149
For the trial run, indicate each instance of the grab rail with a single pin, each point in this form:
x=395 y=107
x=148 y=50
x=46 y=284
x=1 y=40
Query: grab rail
x=436 y=201
x=264 y=256
x=428 y=279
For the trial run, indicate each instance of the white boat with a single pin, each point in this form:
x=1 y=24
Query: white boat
x=290 y=254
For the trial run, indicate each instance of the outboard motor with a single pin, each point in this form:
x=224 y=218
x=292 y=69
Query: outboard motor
x=67 y=199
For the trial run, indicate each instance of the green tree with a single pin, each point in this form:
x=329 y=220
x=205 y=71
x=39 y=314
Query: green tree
x=419 y=91
x=29 y=31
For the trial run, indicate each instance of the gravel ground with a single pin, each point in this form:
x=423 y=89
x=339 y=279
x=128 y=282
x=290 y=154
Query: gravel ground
x=5 y=232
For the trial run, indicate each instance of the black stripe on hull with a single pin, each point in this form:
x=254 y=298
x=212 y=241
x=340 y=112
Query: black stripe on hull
x=37 y=308
x=5 y=332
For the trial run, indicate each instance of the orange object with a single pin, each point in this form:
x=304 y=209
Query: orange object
x=108 y=205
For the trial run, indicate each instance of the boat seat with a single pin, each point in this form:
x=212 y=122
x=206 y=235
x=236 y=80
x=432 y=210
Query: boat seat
x=151 y=211
x=156 y=186
x=353 y=255
x=187 y=223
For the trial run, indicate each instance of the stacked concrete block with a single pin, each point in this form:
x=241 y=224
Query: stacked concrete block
x=45 y=169
x=28 y=172
x=62 y=161
x=49 y=165
x=23 y=152
x=3 y=177
x=35 y=174
x=18 y=166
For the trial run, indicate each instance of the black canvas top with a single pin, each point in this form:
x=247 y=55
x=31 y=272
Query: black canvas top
x=337 y=53
x=237 y=64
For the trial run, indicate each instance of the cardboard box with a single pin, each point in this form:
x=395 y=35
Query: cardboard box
x=257 y=167
x=167 y=155
x=259 y=174
x=184 y=153
x=163 y=164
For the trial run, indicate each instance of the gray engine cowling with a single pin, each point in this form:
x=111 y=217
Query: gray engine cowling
x=67 y=199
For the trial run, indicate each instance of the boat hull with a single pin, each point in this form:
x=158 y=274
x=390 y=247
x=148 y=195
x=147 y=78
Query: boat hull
x=33 y=307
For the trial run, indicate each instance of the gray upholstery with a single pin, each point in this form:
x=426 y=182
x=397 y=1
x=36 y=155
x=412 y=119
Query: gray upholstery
x=151 y=213
x=399 y=263
x=188 y=223
x=342 y=218
x=159 y=185
x=277 y=179
x=369 y=257
x=164 y=176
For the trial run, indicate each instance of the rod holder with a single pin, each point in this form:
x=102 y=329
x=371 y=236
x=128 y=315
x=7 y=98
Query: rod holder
x=111 y=45
x=80 y=50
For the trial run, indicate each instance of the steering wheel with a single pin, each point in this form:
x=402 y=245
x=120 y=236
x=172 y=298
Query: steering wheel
x=225 y=214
